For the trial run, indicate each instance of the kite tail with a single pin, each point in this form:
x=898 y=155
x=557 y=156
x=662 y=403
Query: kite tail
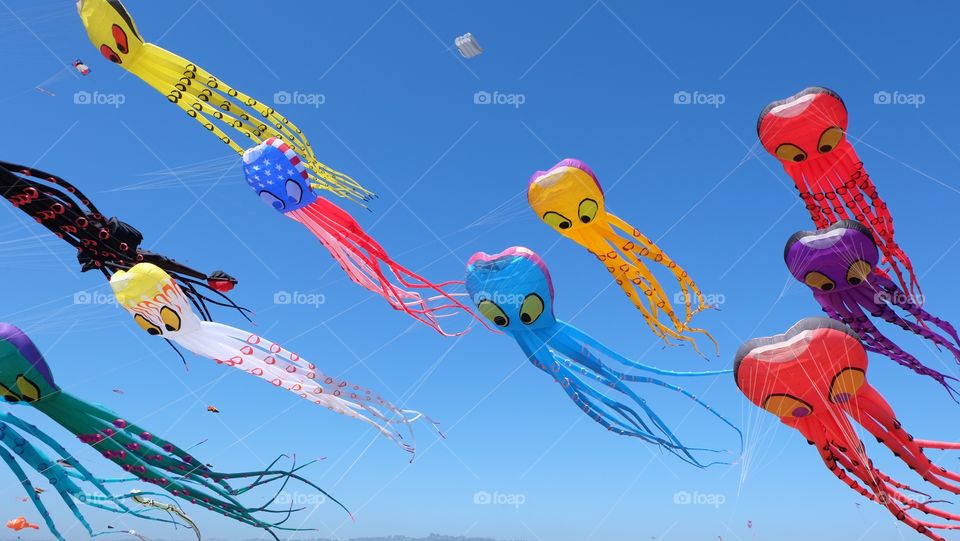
x=56 y=181
x=154 y=460
x=285 y=369
x=851 y=313
x=577 y=346
x=362 y=258
x=59 y=477
x=631 y=270
x=852 y=184
x=205 y=98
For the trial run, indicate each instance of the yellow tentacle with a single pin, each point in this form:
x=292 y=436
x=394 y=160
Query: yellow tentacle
x=209 y=99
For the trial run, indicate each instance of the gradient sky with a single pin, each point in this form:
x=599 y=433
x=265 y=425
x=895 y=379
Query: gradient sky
x=597 y=80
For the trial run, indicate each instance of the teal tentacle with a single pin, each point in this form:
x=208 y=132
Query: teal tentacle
x=31 y=493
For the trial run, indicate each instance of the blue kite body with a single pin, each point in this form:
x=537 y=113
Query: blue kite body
x=275 y=172
x=513 y=289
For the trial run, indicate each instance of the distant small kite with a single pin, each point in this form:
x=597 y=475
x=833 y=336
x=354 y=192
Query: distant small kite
x=20 y=523
x=468 y=46
x=213 y=409
x=81 y=67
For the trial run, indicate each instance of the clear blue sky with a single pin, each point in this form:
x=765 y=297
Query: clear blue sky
x=598 y=81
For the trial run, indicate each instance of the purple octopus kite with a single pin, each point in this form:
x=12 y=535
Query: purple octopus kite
x=839 y=263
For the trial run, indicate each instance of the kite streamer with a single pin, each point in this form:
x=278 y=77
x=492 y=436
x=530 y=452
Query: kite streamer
x=838 y=264
x=568 y=197
x=814 y=378
x=807 y=132
x=277 y=175
x=160 y=308
x=25 y=378
x=513 y=289
x=208 y=100
x=103 y=244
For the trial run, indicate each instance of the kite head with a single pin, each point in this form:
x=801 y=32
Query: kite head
x=808 y=125
x=803 y=375
x=157 y=303
x=837 y=258
x=567 y=197
x=112 y=30
x=512 y=289
x=275 y=172
x=24 y=374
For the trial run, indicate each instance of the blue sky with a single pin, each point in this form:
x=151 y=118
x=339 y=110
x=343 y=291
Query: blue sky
x=597 y=81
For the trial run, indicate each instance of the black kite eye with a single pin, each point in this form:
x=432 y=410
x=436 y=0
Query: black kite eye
x=858 y=272
x=555 y=219
x=786 y=406
x=108 y=53
x=791 y=153
x=272 y=200
x=145 y=324
x=171 y=319
x=294 y=191
x=8 y=395
x=531 y=309
x=818 y=280
x=829 y=139
x=494 y=313
x=121 y=38
x=588 y=210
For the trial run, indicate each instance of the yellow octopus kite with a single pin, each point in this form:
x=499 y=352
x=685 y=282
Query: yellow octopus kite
x=568 y=198
x=202 y=96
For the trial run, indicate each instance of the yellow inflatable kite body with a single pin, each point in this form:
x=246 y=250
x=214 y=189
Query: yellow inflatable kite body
x=569 y=199
x=206 y=99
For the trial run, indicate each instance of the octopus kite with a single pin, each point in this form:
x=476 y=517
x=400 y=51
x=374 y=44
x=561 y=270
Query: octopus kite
x=838 y=264
x=279 y=178
x=208 y=100
x=568 y=197
x=103 y=244
x=160 y=308
x=814 y=378
x=25 y=378
x=514 y=290
x=807 y=133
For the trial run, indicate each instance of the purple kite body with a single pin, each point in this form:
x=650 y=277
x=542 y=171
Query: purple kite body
x=839 y=264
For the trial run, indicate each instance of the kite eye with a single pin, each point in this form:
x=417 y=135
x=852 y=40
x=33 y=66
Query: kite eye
x=829 y=139
x=170 y=318
x=786 y=406
x=557 y=220
x=108 y=53
x=846 y=384
x=819 y=280
x=8 y=395
x=121 y=38
x=858 y=272
x=588 y=210
x=494 y=313
x=272 y=200
x=146 y=325
x=791 y=153
x=294 y=191
x=531 y=309
x=28 y=389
